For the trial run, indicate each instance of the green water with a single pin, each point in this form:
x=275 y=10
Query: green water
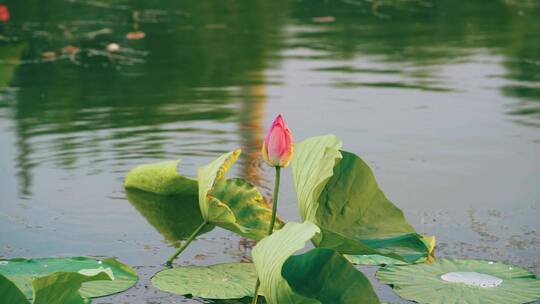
x=442 y=99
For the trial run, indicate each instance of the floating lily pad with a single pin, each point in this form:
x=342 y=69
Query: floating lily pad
x=462 y=281
x=320 y=275
x=338 y=192
x=23 y=271
x=221 y=281
x=56 y=288
x=160 y=178
x=174 y=217
x=234 y=204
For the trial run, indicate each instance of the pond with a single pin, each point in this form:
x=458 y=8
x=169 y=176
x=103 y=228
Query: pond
x=442 y=100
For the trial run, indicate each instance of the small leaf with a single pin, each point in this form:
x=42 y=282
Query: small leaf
x=233 y=204
x=319 y=276
x=63 y=287
x=376 y=259
x=337 y=191
x=462 y=281
x=221 y=281
x=22 y=271
x=160 y=178
x=10 y=293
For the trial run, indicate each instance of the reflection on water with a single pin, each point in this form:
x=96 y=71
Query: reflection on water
x=205 y=62
x=174 y=217
x=440 y=98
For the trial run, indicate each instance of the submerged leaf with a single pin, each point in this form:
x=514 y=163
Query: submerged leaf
x=174 y=217
x=319 y=276
x=23 y=271
x=233 y=204
x=462 y=281
x=220 y=281
x=160 y=178
x=337 y=191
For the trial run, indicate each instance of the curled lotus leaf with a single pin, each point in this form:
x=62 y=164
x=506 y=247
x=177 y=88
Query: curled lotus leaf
x=462 y=281
x=320 y=275
x=233 y=204
x=338 y=192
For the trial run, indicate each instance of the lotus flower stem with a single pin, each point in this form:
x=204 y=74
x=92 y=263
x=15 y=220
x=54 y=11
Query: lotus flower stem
x=271 y=227
x=274 y=201
x=186 y=243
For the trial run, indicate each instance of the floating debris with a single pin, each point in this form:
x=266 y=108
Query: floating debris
x=70 y=49
x=135 y=35
x=94 y=34
x=324 y=19
x=49 y=55
x=113 y=47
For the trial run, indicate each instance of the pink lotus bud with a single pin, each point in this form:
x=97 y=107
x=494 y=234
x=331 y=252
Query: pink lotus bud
x=277 y=148
x=4 y=13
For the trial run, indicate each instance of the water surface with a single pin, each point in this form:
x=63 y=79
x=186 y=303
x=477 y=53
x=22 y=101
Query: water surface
x=443 y=101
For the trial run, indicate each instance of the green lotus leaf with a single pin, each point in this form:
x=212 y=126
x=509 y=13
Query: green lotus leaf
x=174 y=217
x=10 y=293
x=220 y=281
x=338 y=192
x=233 y=204
x=160 y=178
x=462 y=281
x=320 y=275
x=55 y=288
x=23 y=271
